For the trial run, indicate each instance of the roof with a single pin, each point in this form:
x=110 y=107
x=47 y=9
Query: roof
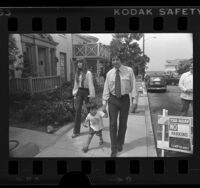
x=91 y=37
x=188 y=60
x=87 y=37
x=44 y=37
x=174 y=62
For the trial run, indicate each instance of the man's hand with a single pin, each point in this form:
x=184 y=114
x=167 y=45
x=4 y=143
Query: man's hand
x=106 y=113
x=189 y=90
x=104 y=108
x=133 y=108
x=91 y=99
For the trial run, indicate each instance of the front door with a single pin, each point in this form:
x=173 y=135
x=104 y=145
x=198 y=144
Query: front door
x=41 y=59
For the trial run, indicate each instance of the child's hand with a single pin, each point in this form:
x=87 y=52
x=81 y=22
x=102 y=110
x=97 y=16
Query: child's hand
x=85 y=125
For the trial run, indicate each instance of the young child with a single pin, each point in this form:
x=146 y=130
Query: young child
x=95 y=120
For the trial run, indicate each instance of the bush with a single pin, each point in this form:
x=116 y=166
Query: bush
x=19 y=96
x=48 y=108
x=44 y=113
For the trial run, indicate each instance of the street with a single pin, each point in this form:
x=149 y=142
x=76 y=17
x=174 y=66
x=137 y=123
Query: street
x=169 y=100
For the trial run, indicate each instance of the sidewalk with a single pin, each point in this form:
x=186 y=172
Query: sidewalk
x=30 y=142
x=139 y=140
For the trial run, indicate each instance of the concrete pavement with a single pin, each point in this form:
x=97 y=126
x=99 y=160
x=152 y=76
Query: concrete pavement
x=30 y=142
x=139 y=140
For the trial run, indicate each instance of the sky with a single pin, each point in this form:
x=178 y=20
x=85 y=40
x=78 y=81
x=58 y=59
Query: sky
x=160 y=47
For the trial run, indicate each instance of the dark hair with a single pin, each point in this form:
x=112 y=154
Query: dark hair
x=117 y=55
x=91 y=106
x=78 y=71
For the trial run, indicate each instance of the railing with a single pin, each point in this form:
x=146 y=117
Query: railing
x=91 y=50
x=34 y=84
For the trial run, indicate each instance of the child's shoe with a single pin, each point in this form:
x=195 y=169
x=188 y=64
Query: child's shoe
x=85 y=149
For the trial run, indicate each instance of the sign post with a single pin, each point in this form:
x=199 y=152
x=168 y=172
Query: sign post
x=165 y=113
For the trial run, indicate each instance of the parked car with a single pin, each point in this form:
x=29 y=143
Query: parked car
x=156 y=82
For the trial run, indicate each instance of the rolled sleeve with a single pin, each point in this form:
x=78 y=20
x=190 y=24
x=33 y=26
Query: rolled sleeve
x=181 y=84
x=106 y=93
x=91 y=85
x=134 y=93
x=75 y=89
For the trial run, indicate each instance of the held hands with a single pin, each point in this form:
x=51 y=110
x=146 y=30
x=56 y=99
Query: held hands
x=91 y=99
x=104 y=108
x=106 y=113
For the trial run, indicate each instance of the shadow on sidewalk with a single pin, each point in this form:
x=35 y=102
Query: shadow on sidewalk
x=134 y=144
x=104 y=145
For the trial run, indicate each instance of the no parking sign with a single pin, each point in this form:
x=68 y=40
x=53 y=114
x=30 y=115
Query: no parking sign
x=180 y=134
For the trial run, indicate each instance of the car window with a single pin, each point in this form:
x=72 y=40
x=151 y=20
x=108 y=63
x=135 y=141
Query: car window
x=157 y=78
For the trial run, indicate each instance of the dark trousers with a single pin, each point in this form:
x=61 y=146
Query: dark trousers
x=118 y=107
x=185 y=106
x=82 y=95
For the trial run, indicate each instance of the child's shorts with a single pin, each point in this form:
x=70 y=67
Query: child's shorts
x=93 y=132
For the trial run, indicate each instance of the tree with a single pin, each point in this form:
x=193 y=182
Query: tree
x=13 y=55
x=184 y=66
x=125 y=44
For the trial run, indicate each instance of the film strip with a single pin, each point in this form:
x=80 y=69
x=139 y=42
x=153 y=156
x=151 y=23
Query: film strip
x=99 y=170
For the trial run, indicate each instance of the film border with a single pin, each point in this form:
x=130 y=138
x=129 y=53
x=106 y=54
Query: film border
x=90 y=20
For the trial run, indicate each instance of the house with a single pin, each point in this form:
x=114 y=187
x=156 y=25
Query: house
x=64 y=55
x=50 y=58
x=96 y=54
x=39 y=51
x=172 y=65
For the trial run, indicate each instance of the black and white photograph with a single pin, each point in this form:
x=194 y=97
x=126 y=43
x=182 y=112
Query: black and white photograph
x=100 y=95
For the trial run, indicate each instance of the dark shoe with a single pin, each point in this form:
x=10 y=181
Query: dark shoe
x=75 y=135
x=119 y=148
x=100 y=142
x=113 y=154
x=85 y=149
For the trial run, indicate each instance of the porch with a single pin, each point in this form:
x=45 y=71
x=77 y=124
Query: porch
x=96 y=51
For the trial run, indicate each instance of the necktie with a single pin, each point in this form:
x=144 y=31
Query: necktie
x=117 y=84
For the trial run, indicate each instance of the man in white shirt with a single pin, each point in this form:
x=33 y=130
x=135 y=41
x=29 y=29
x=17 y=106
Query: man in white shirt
x=120 y=82
x=186 y=86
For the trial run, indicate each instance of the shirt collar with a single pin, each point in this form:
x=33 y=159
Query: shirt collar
x=120 y=68
x=189 y=73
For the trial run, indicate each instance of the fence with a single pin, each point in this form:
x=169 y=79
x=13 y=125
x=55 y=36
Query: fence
x=34 y=84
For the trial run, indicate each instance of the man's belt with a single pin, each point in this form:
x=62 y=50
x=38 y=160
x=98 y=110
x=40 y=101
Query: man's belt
x=122 y=96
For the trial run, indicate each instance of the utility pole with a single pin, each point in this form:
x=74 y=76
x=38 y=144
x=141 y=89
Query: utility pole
x=143 y=43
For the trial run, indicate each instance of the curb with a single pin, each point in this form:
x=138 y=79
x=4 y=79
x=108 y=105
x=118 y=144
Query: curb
x=151 y=147
x=64 y=129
